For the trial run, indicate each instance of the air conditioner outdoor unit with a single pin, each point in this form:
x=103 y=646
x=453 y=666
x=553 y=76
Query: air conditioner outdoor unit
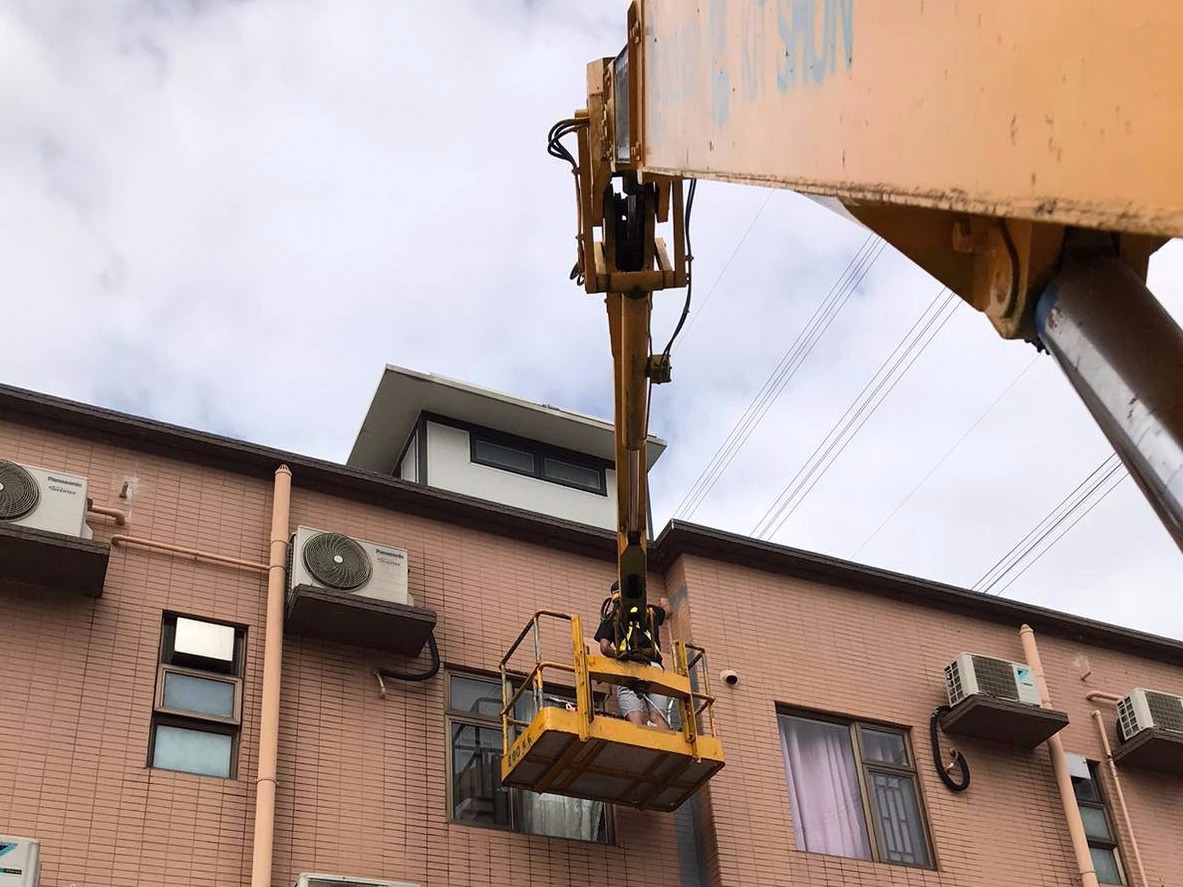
x=19 y=862
x=43 y=500
x=350 y=566
x=1146 y=710
x=973 y=675
x=341 y=881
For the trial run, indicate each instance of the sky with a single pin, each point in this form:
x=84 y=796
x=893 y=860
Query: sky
x=232 y=214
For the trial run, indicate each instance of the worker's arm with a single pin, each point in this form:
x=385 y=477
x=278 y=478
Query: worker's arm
x=606 y=648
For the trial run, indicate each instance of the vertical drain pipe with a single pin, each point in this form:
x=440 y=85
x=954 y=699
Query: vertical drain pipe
x=1055 y=746
x=1125 y=811
x=264 y=842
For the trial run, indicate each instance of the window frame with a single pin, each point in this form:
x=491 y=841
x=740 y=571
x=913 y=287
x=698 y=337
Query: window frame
x=863 y=769
x=539 y=452
x=235 y=719
x=184 y=723
x=1102 y=804
x=190 y=720
x=458 y=717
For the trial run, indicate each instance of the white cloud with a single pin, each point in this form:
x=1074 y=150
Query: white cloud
x=233 y=214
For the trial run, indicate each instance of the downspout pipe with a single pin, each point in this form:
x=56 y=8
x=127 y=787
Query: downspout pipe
x=1055 y=747
x=1123 y=353
x=1125 y=811
x=264 y=840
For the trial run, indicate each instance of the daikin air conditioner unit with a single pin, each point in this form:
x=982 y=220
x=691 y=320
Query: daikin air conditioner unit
x=41 y=499
x=350 y=566
x=341 y=881
x=19 y=862
x=1149 y=710
x=973 y=675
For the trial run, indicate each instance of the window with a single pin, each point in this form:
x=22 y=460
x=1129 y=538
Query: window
x=486 y=452
x=477 y=796
x=537 y=460
x=853 y=790
x=198 y=708
x=1097 y=827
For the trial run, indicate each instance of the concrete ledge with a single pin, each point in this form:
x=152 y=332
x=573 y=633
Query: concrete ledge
x=53 y=561
x=348 y=619
x=1003 y=721
x=1157 y=750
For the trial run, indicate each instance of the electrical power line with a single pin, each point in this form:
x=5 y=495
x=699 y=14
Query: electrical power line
x=1067 y=508
x=945 y=458
x=881 y=384
x=734 y=252
x=856 y=269
x=1122 y=476
x=852 y=275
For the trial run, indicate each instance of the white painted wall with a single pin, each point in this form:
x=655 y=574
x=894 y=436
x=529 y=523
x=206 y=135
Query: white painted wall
x=409 y=470
x=450 y=468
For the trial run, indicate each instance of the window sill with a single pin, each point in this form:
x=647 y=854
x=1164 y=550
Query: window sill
x=858 y=860
x=509 y=830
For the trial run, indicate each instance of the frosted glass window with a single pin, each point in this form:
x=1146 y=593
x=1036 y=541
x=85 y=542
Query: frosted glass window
x=192 y=751
x=201 y=696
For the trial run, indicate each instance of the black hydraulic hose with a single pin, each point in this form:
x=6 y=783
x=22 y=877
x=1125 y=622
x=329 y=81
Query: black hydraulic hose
x=431 y=672
x=958 y=758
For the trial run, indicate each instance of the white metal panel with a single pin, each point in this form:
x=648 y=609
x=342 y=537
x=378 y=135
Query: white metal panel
x=318 y=880
x=409 y=470
x=19 y=862
x=449 y=467
x=1078 y=766
x=62 y=504
x=389 y=565
x=204 y=639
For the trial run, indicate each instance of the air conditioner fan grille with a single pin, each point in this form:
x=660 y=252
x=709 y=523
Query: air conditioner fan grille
x=19 y=493
x=1166 y=711
x=337 y=561
x=996 y=678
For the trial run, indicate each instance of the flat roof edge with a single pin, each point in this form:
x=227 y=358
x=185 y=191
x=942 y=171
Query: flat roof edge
x=255 y=460
x=679 y=538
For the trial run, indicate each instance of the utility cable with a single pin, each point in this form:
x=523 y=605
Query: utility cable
x=931 y=321
x=959 y=762
x=1052 y=519
x=1072 y=507
x=848 y=281
x=426 y=675
x=1123 y=476
x=734 y=252
x=556 y=148
x=945 y=458
x=689 y=268
x=786 y=369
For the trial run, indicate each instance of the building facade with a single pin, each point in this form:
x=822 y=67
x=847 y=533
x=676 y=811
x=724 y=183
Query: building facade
x=131 y=683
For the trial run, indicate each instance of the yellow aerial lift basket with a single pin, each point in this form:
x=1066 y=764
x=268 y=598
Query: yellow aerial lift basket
x=572 y=749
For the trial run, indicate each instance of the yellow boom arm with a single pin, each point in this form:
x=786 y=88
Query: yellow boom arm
x=1023 y=153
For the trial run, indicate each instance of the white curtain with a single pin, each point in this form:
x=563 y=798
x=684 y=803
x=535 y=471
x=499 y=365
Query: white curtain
x=562 y=817
x=823 y=788
x=555 y=815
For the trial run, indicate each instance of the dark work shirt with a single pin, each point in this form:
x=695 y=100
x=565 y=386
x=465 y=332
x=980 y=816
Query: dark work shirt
x=607 y=631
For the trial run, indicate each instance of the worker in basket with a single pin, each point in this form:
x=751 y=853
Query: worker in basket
x=637 y=703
